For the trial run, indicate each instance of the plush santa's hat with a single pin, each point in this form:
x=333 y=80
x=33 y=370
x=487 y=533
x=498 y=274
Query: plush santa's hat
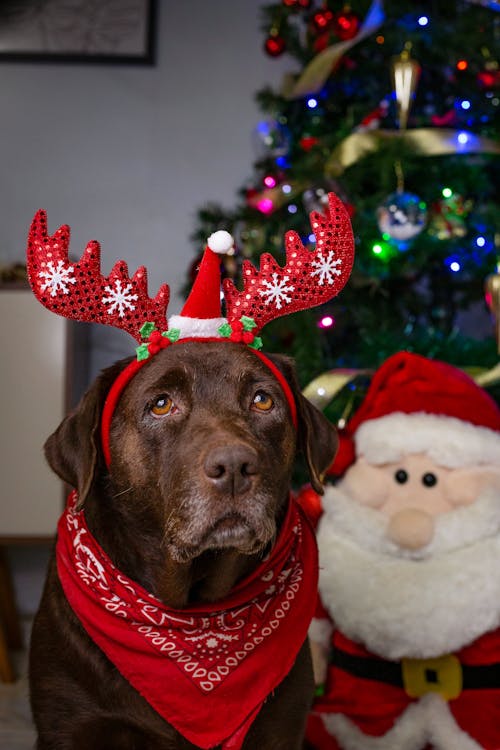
x=418 y=405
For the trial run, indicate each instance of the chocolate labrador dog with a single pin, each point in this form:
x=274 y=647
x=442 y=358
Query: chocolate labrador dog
x=202 y=450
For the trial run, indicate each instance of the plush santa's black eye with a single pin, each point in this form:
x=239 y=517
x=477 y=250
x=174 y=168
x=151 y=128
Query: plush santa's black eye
x=401 y=476
x=429 y=479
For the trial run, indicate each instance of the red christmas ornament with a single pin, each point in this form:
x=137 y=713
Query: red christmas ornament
x=489 y=79
x=297 y=4
x=322 y=20
x=307 y=142
x=346 y=24
x=274 y=46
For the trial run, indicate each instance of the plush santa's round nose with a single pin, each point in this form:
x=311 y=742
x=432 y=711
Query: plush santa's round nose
x=411 y=528
x=231 y=469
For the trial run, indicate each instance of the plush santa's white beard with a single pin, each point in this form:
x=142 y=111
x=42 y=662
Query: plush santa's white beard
x=418 y=604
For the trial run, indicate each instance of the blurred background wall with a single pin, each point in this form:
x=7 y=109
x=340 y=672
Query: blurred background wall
x=126 y=154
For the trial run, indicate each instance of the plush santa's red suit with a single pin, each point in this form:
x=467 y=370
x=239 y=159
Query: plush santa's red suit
x=410 y=569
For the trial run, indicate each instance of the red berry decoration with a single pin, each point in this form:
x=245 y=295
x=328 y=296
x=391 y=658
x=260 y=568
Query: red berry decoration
x=345 y=24
x=297 y=4
x=274 y=46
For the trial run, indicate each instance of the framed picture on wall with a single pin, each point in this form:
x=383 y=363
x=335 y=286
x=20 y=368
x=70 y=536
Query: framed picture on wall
x=83 y=31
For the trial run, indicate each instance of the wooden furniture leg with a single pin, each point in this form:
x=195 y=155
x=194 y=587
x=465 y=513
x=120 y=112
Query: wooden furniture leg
x=10 y=627
x=6 y=669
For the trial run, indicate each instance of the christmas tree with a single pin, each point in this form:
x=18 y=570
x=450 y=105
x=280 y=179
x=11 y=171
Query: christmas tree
x=393 y=106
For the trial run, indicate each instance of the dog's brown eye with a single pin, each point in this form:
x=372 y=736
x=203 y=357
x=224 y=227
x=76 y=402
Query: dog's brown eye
x=162 y=406
x=262 y=401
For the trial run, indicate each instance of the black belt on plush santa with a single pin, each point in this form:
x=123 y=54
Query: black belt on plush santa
x=444 y=675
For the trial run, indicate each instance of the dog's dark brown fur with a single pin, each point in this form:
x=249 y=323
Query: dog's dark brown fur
x=192 y=502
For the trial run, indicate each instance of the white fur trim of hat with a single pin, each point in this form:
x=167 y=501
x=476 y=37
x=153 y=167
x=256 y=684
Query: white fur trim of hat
x=196 y=327
x=448 y=441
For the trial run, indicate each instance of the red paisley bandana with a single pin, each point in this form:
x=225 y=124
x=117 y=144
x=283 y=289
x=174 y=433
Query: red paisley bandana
x=206 y=671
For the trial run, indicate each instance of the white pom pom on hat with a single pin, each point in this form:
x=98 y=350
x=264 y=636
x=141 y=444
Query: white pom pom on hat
x=221 y=242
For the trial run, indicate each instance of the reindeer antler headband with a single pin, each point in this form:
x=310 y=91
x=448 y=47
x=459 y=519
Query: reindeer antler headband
x=79 y=291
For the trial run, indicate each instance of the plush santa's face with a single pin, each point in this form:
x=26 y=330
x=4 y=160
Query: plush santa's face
x=415 y=493
x=408 y=551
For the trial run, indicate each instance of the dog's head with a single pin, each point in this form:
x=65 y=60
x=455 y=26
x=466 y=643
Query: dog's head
x=201 y=441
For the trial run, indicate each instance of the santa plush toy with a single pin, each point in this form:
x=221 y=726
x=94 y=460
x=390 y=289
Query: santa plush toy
x=407 y=644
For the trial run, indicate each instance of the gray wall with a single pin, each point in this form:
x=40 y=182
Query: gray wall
x=127 y=154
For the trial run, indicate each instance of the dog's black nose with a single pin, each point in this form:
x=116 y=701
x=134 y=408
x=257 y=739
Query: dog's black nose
x=231 y=468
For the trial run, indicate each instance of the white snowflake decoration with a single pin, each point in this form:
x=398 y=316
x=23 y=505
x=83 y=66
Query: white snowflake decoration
x=57 y=278
x=326 y=268
x=277 y=290
x=119 y=299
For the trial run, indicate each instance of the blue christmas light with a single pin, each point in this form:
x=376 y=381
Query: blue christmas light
x=423 y=21
x=312 y=237
x=480 y=241
x=465 y=104
x=462 y=138
x=292 y=208
x=312 y=103
x=453 y=263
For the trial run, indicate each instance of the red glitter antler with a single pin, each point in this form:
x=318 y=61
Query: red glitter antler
x=309 y=278
x=80 y=291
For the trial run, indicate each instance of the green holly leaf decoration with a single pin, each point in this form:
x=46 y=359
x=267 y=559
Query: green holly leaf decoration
x=142 y=352
x=225 y=330
x=172 y=335
x=147 y=329
x=248 y=323
x=257 y=343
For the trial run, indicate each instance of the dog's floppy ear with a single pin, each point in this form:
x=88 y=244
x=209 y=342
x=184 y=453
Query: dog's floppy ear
x=317 y=437
x=73 y=451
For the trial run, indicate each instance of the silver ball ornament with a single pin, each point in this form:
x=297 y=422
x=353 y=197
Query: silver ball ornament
x=402 y=216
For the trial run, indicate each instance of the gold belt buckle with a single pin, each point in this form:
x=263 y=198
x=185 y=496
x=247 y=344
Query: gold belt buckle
x=442 y=675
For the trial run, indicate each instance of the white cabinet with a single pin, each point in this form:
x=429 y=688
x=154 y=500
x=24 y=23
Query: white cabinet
x=34 y=388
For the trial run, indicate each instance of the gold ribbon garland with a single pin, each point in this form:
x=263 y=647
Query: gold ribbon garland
x=487 y=378
x=492 y=290
x=422 y=141
x=326 y=387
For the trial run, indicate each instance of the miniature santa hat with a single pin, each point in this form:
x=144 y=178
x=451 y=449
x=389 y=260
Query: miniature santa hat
x=418 y=405
x=201 y=315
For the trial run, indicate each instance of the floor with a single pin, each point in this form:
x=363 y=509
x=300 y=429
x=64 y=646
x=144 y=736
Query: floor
x=28 y=565
x=16 y=728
